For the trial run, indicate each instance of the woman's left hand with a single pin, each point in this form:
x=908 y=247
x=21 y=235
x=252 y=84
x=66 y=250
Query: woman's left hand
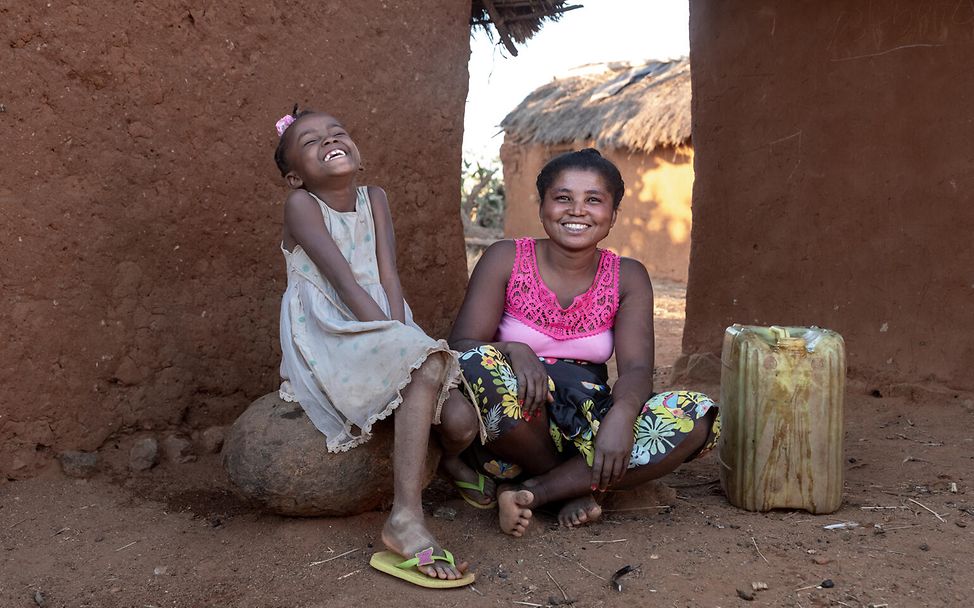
x=613 y=447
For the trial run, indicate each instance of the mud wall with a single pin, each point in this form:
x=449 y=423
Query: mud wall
x=141 y=208
x=834 y=169
x=654 y=221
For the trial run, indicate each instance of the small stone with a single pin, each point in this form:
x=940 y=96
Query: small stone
x=161 y=570
x=99 y=538
x=759 y=586
x=211 y=440
x=745 y=595
x=821 y=560
x=177 y=449
x=39 y=599
x=852 y=461
x=444 y=512
x=502 y=575
x=827 y=584
x=960 y=524
x=924 y=547
x=79 y=464
x=144 y=454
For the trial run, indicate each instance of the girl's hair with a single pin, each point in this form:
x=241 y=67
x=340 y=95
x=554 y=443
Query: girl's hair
x=279 y=153
x=587 y=159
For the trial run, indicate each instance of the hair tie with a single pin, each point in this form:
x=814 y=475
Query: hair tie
x=282 y=124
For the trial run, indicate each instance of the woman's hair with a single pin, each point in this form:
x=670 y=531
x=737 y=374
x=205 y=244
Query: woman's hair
x=279 y=153
x=587 y=159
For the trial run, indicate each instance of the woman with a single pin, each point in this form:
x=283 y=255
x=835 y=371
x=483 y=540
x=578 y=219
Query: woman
x=539 y=321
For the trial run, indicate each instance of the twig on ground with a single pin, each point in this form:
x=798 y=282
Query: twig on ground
x=475 y=590
x=637 y=508
x=61 y=530
x=580 y=566
x=606 y=542
x=560 y=588
x=528 y=604
x=898 y=507
x=694 y=485
x=806 y=588
x=937 y=515
x=126 y=546
x=334 y=557
x=348 y=575
x=759 y=551
x=880 y=549
x=14 y=525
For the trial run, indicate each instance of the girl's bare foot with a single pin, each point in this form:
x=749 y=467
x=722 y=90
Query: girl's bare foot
x=513 y=503
x=407 y=535
x=579 y=511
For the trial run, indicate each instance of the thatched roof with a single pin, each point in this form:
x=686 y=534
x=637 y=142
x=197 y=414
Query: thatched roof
x=516 y=20
x=640 y=107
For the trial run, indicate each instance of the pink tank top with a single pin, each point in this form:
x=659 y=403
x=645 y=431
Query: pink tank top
x=532 y=314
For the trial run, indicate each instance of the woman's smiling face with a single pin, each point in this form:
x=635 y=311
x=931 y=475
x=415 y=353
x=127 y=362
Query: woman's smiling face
x=577 y=210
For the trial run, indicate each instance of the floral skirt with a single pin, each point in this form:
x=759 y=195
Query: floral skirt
x=581 y=399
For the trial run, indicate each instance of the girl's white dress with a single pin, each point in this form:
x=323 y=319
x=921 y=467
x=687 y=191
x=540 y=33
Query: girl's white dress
x=347 y=373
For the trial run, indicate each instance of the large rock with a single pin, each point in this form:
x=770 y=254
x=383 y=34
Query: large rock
x=276 y=457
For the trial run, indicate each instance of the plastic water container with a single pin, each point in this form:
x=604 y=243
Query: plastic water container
x=782 y=391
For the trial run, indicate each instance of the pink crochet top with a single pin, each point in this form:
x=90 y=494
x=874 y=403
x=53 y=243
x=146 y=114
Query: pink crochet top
x=533 y=315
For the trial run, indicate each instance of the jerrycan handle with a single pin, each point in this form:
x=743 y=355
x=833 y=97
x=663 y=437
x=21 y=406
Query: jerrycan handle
x=784 y=340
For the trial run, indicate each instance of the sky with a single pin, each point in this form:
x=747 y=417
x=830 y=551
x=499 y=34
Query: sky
x=600 y=31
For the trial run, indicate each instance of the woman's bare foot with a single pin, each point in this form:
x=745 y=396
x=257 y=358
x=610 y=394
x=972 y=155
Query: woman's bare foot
x=513 y=503
x=407 y=535
x=579 y=511
x=457 y=470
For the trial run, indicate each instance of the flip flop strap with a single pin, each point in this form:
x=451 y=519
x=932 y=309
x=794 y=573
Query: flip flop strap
x=466 y=485
x=426 y=558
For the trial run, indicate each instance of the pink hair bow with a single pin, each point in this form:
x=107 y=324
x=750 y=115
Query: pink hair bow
x=283 y=124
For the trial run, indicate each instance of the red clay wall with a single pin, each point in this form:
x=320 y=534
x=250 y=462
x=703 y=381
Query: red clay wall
x=141 y=208
x=654 y=220
x=834 y=145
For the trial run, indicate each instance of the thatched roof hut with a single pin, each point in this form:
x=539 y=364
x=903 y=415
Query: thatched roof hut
x=620 y=105
x=639 y=117
x=516 y=20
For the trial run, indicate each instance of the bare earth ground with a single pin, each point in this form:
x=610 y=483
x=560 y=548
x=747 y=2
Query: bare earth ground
x=177 y=536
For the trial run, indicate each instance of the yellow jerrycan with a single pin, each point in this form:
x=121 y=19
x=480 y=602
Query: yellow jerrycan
x=782 y=392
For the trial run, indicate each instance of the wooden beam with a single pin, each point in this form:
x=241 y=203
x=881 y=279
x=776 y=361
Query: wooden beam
x=502 y=30
x=556 y=11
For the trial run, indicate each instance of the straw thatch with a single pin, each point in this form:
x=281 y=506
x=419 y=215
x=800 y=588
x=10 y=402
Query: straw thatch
x=640 y=107
x=516 y=20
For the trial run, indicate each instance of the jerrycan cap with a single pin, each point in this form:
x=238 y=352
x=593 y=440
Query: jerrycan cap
x=784 y=338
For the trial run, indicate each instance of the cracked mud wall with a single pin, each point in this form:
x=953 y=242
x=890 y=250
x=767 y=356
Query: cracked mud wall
x=141 y=207
x=834 y=174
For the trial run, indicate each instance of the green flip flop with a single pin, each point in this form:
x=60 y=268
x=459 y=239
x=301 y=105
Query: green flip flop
x=392 y=564
x=477 y=487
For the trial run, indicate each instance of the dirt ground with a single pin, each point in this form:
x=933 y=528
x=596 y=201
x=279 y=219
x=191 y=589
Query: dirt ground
x=177 y=536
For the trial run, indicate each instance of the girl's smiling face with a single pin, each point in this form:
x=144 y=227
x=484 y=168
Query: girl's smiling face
x=577 y=210
x=319 y=147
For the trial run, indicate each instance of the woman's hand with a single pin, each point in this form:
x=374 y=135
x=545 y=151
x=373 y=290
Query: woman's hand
x=613 y=447
x=532 y=377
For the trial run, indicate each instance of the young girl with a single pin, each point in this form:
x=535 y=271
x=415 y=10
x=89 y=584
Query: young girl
x=351 y=353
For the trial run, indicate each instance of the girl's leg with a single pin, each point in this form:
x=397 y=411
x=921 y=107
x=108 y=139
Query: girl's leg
x=572 y=480
x=405 y=530
x=458 y=428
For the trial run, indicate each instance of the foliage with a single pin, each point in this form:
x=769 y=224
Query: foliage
x=482 y=200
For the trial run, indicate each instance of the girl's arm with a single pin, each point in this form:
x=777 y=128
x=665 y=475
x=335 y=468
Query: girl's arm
x=385 y=252
x=634 y=349
x=480 y=314
x=304 y=222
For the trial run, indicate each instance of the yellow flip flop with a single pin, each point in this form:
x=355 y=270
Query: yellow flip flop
x=392 y=564
x=476 y=487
